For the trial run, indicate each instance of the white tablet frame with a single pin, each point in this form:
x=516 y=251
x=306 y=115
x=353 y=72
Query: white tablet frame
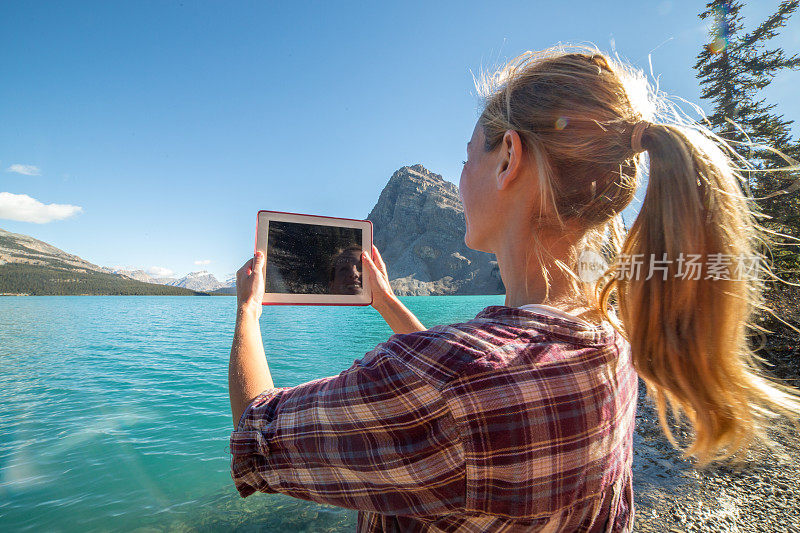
x=273 y=298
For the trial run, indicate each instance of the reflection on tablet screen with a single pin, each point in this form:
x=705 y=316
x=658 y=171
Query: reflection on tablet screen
x=313 y=259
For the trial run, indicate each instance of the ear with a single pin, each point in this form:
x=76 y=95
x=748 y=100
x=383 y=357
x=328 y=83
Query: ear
x=509 y=166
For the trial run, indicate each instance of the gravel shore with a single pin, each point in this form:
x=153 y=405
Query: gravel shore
x=671 y=495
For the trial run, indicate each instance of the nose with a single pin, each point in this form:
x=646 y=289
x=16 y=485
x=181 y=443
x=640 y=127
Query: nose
x=353 y=273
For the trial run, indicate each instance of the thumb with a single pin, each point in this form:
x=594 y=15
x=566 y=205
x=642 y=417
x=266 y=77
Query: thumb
x=258 y=262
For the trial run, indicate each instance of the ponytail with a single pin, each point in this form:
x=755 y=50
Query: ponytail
x=688 y=330
x=580 y=117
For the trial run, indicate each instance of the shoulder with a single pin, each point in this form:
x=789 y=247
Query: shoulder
x=498 y=340
x=442 y=353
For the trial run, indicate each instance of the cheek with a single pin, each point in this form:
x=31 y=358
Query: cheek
x=464 y=194
x=471 y=190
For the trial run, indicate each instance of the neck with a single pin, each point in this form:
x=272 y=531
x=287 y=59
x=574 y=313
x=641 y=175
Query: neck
x=523 y=278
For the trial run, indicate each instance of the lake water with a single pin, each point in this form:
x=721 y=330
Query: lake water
x=114 y=411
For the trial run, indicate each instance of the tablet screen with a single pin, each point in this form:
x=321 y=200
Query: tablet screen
x=313 y=259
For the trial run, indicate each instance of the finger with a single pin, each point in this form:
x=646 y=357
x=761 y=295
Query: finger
x=378 y=259
x=375 y=274
x=366 y=259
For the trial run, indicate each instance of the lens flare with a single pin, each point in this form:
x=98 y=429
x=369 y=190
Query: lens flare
x=718 y=46
x=561 y=123
x=721 y=31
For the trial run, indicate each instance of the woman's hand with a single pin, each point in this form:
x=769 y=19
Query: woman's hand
x=397 y=315
x=382 y=293
x=250 y=285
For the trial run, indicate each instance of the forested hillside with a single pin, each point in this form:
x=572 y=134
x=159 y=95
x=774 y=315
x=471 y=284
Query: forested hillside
x=36 y=280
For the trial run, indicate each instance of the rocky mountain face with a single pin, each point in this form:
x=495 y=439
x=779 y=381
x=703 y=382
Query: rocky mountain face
x=419 y=229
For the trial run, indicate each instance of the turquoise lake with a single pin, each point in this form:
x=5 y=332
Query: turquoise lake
x=114 y=411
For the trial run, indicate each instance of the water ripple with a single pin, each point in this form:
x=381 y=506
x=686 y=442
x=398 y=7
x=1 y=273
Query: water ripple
x=114 y=410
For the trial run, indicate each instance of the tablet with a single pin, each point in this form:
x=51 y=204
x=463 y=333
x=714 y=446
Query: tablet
x=313 y=260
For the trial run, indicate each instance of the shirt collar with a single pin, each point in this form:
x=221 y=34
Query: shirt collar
x=559 y=327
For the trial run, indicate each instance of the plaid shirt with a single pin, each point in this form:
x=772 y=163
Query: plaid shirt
x=512 y=421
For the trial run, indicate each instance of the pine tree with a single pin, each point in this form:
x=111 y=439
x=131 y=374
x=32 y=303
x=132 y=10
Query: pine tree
x=733 y=70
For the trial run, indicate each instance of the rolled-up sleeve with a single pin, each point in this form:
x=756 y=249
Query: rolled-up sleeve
x=374 y=438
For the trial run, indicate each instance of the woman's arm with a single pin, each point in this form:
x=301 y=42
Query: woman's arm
x=248 y=373
x=397 y=315
x=376 y=437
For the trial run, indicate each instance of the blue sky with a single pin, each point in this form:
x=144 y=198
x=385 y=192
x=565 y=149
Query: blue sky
x=170 y=124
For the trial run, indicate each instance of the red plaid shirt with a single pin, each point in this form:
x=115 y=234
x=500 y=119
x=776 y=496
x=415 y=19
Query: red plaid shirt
x=512 y=421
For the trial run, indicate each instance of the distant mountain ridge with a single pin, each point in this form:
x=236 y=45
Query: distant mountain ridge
x=23 y=249
x=198 y=281
x=31 y=266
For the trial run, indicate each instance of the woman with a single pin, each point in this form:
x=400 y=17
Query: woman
x=521 y=419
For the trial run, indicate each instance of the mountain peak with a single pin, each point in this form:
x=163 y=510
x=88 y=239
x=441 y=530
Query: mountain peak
x=419 y=228
x=417 y=171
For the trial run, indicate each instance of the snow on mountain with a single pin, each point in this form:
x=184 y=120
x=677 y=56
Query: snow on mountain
x=198 y=281
x=138 y=275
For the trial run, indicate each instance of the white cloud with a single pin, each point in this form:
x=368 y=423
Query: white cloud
x=23 y=208
x=203 y=262
x=160 y=272
x=27 y=170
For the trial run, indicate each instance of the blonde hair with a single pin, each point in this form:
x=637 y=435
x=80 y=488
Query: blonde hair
x=575 y=112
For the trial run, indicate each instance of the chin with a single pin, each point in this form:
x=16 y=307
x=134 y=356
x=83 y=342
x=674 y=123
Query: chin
x=475 y=246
